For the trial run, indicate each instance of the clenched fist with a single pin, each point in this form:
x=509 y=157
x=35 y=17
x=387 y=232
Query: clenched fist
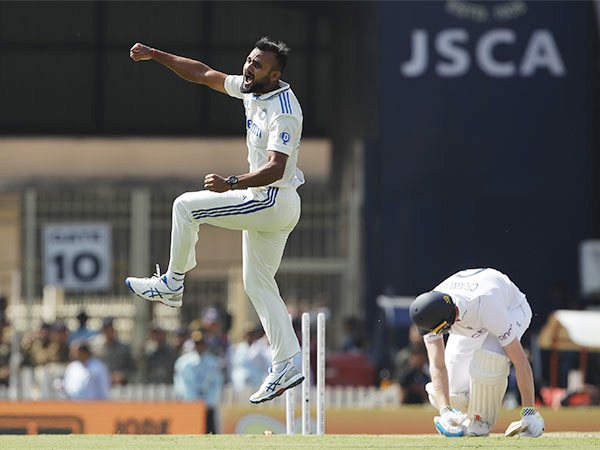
x=216 y=183
x=140 y=52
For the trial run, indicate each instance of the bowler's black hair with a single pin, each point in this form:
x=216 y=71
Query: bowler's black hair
x=279 y=48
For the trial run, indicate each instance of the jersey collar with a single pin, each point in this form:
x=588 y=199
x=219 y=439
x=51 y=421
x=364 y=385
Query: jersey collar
x=283 y=86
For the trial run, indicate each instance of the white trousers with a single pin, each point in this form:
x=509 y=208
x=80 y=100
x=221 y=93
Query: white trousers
x=459 y=349
x=266 y=215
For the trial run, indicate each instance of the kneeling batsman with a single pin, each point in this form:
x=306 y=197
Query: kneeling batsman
x=467 y=377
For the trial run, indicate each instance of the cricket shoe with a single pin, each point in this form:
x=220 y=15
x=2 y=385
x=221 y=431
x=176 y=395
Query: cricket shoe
x=276 y=384
x=156 y=289
x=477 y=427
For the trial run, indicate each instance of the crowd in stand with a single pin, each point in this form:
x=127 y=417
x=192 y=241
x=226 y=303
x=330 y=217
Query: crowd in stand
x=200 y=358
x=197 y=359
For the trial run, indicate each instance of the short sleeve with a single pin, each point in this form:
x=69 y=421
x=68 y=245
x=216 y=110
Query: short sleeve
x=494 y=317
x=284 y=134
x=430 y=337
x=233 y=85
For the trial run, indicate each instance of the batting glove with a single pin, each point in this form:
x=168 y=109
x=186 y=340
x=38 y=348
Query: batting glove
x=530 y=425
x=450 y=422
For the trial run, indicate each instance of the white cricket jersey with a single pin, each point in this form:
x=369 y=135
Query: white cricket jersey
x=273 y=122
x=483 y=298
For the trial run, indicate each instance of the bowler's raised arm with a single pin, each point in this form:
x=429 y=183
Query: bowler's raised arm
x=188 y=69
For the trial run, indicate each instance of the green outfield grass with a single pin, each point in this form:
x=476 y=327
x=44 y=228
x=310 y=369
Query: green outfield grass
x=152 y=442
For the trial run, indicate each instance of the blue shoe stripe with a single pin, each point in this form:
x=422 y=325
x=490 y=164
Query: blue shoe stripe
x=239 y=210
x=271 y=386
x=152 y=293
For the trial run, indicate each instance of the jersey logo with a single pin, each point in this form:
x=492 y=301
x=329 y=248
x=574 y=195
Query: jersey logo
x=506 y=335
x=478 y=333
x=253 y=128
x=285 y=137
x=284 y=102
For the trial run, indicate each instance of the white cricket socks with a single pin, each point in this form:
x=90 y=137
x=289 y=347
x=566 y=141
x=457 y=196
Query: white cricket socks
x=278 y=367
x=174 y=280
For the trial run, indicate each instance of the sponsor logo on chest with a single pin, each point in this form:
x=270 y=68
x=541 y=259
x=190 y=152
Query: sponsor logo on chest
x=254 y=129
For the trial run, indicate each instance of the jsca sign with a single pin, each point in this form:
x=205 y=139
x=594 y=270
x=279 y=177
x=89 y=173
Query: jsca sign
x=78 y=257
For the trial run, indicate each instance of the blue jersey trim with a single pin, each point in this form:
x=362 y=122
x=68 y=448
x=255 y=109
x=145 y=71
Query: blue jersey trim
x=281 y=104
x=289 y=105
x=272 y=94
x=284 y=101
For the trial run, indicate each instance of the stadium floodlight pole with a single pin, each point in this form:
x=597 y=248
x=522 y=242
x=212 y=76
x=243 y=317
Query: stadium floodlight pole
x=320 y=374
x=306 y=373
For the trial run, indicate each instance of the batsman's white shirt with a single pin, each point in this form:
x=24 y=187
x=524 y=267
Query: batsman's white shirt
x=483 y=297
x=492 y=312
x=266 y=215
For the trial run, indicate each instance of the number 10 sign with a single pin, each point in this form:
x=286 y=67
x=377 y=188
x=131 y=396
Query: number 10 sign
x=77 y=256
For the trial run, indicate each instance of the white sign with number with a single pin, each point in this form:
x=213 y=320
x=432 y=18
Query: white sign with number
x=78 y=256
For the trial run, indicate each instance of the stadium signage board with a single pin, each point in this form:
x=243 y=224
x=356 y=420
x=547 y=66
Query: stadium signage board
x=77 y=256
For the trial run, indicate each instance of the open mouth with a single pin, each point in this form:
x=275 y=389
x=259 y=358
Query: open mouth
x=248 y=78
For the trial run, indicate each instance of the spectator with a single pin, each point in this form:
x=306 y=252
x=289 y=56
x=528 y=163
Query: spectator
x=59 y=335
x=413 y=377
x=354 y=339
x=83 y=333
x=181 y=336
x=189 y=345
x=198 y=376
x=38 y=348
x=215 y=338
x=86 y=377
x=116 y=355
x=3 y=306
x=158 y=358
x=415 y=344
x=249 y=359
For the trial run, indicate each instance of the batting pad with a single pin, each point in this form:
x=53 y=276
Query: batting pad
x=489 y=378
x=458 y=401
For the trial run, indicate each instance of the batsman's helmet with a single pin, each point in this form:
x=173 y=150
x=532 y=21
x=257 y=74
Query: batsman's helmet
x=433 y=312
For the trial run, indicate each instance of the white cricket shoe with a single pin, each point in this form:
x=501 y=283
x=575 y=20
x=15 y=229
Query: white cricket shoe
x=155 y=289
x=276 y=384
x=477 y=427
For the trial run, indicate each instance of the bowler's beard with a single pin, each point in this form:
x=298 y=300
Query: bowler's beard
x=255 y=86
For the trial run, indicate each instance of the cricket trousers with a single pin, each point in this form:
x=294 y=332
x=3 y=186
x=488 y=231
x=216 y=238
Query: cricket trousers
x=266 y=216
